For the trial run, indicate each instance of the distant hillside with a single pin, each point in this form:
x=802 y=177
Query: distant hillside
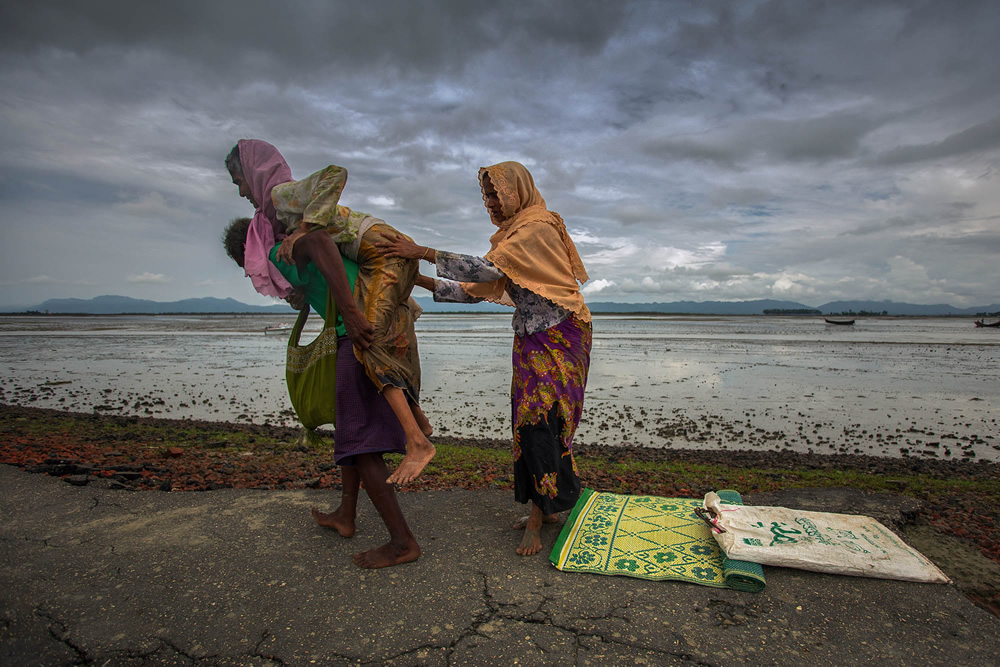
x=117 y=305
x=678 y=307
x=759 y=306
x=695 y=307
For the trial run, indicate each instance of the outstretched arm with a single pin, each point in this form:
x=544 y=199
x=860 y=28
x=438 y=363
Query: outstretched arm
x=317 y=247
x=466 y=268
x=425 y=281
x=395 y=245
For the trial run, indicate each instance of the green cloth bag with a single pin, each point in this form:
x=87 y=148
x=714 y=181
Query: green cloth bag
x=311 y=370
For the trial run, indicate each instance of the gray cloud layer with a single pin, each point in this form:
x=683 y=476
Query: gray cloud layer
x=697 y=150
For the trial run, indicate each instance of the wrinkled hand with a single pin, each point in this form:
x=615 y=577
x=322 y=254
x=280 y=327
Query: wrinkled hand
x=395 y=245
x=285 y=250
x=359 y=329
x=297 y=299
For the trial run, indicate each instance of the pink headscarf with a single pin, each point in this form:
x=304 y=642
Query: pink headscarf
x=263 y=168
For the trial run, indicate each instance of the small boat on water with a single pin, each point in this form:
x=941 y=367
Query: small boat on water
x=843 y=322
x=991 y=325
x=281 y=328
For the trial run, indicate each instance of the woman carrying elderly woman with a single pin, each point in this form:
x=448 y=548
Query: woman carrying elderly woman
x=382 y=327
x=534 y=266
x=366 y=428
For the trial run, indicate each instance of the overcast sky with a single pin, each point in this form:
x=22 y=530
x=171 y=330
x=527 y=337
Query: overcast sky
x=700 y=150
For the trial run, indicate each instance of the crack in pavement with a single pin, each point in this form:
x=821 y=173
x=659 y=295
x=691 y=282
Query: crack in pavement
x=472 y=630
x=258 y=651
x=58 y=631
x=44 y=541
x=177 y=649
x=539 y=615
x=159 y=647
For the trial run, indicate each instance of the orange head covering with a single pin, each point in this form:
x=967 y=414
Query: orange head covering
x=532 y=246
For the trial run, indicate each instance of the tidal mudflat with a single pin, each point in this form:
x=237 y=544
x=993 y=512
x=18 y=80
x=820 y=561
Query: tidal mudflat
x=919 y=387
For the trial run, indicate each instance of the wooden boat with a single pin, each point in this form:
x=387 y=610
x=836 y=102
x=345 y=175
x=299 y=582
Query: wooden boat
x=282 y=328
x=844 y=322
x=992 y=325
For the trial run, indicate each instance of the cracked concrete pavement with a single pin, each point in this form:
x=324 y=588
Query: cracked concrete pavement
x=242 y=577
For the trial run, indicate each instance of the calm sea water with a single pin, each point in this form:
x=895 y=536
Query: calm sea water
x=886 y=386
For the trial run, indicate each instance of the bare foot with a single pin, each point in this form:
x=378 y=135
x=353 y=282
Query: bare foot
x=336 y=520
x=388 y=555
x=523 y=521
x=531 y=541
x=418 y=454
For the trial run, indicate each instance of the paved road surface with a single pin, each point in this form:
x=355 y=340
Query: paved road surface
x=242 y=577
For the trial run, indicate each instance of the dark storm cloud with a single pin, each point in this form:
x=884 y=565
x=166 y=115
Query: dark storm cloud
x=830 y=137
x=408 y=37
x=981 y=137
x=697 y=149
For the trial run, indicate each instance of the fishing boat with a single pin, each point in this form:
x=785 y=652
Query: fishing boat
x=992 y=325
x=842 y=322
x=282 y=328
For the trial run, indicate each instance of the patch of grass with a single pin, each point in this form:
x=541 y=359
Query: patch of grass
x=465 y=466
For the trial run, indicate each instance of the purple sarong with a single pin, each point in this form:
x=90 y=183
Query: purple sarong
x=365 y=422
x=550 y=376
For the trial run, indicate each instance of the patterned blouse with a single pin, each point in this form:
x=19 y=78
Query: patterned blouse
x=533 y=313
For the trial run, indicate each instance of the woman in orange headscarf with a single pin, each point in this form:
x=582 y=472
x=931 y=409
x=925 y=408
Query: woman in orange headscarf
x=534 y=266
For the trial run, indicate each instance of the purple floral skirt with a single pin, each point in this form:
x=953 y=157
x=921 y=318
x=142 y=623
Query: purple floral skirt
x=550 y=376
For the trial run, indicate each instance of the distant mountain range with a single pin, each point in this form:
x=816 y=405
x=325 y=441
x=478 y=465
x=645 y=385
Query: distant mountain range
x=759 y=307
x=120 y=305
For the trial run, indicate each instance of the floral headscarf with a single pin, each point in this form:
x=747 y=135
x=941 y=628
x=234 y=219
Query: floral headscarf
x=532 y=246
x=263 y=168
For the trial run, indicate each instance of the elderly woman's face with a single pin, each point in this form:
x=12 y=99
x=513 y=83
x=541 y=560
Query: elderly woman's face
x=241 y=183
x=492 y=199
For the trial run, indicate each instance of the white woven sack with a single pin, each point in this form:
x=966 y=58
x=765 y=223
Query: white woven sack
x=819 y=541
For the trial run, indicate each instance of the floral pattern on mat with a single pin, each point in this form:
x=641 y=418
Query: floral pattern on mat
x=648 y=537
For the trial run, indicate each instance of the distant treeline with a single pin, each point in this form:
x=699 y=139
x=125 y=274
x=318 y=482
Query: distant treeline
x=862 y=313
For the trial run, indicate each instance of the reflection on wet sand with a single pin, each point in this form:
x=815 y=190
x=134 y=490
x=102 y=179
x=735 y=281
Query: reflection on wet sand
x=887 y=386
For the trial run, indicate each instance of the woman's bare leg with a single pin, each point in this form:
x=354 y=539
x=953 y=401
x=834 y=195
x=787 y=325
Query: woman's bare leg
x=342 y=518
x=546 y=518
x=422 y=421
x=419 y=450
x=402 y=546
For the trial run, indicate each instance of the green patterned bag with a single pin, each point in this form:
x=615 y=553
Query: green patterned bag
x=311 y=370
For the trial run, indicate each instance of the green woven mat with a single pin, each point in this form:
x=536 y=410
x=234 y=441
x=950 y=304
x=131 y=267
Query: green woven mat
x=649 y=537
